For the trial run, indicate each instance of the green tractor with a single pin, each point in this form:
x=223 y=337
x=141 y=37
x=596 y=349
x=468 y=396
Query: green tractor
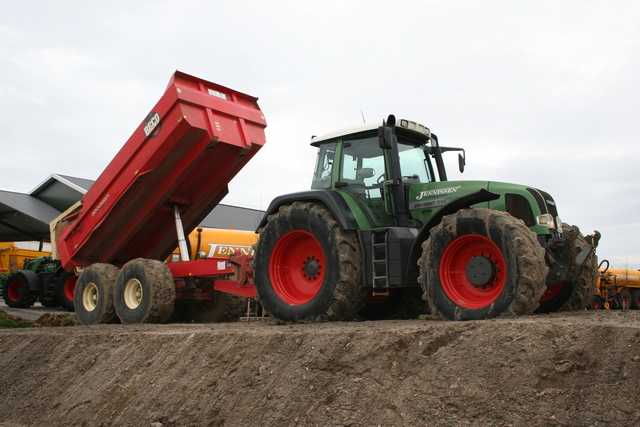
x=42 y=279
x=383 y=234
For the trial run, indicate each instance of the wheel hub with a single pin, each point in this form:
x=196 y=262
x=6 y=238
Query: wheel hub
x=481 y=270
x=311 y=268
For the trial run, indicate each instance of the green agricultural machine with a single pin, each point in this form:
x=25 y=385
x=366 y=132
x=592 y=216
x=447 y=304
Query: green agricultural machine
x=384 y=234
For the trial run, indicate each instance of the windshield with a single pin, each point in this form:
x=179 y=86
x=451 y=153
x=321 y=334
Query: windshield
x=414 y=163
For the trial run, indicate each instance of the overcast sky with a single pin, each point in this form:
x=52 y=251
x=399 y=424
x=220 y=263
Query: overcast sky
x=542 y=93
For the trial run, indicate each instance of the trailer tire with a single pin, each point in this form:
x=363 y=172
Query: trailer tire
x=144 y=292
x=93 y=294
x=482 y=263
x=16 y=293
x=576 y=292
x=222 y=308
x=307 y=268
x=635 y=300
x=596 y=303
x=406 y=303
x=65 y=290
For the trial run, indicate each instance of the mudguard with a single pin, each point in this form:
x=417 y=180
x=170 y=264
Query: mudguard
x=33 y=281
x=332 y=200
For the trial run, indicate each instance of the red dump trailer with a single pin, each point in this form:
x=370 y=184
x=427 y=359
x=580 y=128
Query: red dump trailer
x=168 y=176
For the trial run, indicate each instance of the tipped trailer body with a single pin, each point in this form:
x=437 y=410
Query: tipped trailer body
x=169 y=175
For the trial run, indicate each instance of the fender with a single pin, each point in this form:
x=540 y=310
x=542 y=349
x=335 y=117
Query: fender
x=462 y=202
x=331 y=199
x=33 y=281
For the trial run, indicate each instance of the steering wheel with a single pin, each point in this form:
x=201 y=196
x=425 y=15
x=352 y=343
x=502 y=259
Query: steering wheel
x=382 y=178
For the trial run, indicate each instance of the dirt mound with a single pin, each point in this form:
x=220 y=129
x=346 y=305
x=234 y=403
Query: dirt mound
x=576 y=369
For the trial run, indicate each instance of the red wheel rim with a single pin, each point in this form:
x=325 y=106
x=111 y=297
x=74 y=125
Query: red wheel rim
x=297 y=267
x=596 y=304
x=551 y=292
x=626 y=301
x=70 y=287
x=463 y=254
x=13 y=290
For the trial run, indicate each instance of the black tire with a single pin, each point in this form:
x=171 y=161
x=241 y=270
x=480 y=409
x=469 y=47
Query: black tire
x=624 y=300
x=65 y=290
x=577 y=291
x=596 y=303
x=400 y=304
x=16 y=293
x=635 y=300
x=307 y=268
x=93 y=295
x=144 y=292
x=222 y=308
x=481 y=263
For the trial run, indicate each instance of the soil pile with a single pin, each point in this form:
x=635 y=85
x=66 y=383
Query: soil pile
x=574 y=369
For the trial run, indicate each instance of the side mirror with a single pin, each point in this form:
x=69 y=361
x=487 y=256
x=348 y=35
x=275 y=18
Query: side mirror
x=386 y=132
x=461 y=162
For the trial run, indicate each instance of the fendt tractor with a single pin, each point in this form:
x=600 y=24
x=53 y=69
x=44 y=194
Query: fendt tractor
x=383 y=230
x=381 y=234
x=617 y=288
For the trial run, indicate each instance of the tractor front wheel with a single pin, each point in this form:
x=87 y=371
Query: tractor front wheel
x=306 y=267
x=576 y=292
x=16 y=292
x=481 y=263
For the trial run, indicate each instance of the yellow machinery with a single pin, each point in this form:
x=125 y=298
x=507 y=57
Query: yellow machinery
x=217 y=243
x=13 y=255
x=617 y=288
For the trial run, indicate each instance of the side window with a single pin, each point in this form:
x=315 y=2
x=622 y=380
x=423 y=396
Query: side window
x=324 y=166
x=362 y=162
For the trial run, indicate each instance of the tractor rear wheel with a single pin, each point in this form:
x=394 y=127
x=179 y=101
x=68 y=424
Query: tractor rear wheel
x=16 y=292
x=144 y=292
x=576 y=292
x=93 y=294
x=481 y=263
x=65 y=289
x=306 y=267
x=222 y=307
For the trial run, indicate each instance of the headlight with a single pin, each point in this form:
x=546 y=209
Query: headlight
x=546 y=220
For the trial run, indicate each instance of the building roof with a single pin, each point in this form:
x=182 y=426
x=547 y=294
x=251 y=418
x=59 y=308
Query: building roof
x=24 y=218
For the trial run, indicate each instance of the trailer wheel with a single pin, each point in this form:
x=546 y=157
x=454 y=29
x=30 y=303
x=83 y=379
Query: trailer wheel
x=596 y=303
x=481 y=263
x=93 y=294
x=65 y=289
x=144 y=292
x=16 y=292
x=400 y=304
x=576 y=292
x=306 y=267
x=222 y=307
x=635 y=300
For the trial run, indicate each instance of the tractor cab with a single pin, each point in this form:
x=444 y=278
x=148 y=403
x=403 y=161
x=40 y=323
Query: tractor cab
x=374 y=168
